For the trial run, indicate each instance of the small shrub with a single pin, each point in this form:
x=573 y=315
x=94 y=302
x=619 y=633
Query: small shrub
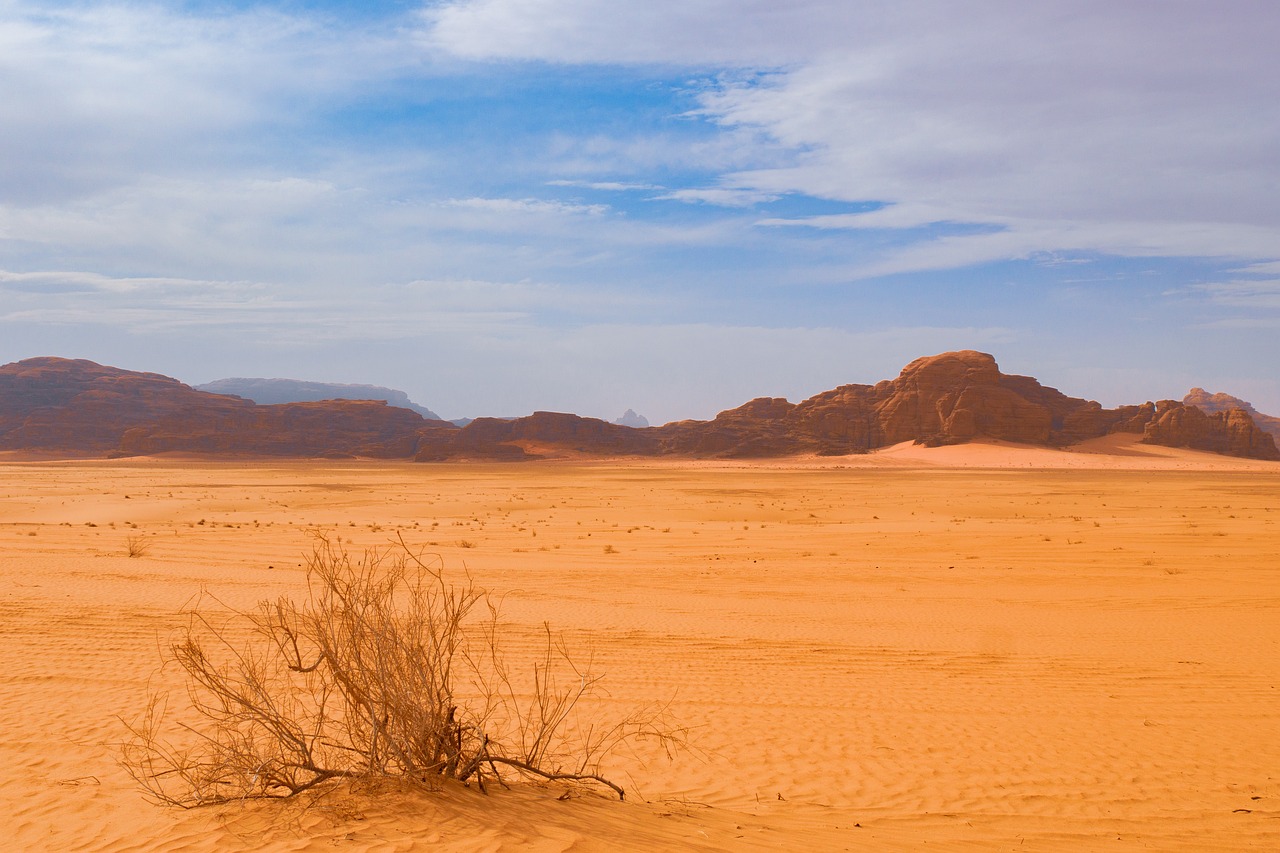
x=137 y=546
x=385 y=669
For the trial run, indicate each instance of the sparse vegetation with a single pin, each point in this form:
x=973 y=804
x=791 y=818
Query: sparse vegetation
x=137 y=546
x=385 y=669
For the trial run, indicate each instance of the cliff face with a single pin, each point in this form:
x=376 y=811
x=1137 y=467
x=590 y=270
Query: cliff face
x=955 y=397
x=1232 y=432
x=948 y=399
x=76 y=405
x=1214 y=403
x=79 y=406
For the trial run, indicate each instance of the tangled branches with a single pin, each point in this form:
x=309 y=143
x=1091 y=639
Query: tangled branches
x=387 y=669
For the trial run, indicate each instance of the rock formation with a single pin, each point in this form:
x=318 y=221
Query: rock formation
x=268 y=391
x=74 y=405
x=1213 y=403
x=79 y=406
x=948 y=399
x=535 y=435
x=1232 y=432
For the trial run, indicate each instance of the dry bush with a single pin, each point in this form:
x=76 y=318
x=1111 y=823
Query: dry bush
x=385 y=669
x=137 y=546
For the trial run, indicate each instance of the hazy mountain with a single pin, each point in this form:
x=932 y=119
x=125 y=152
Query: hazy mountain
x=631 y=419
x=269 y=391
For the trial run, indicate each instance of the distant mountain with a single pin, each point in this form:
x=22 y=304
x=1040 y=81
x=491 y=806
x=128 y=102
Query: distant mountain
x=944 y=399
x=1211 y=403
x=66 y=406
x=631 y=419
x=461 y=422
x=63 y=405
x=268 y=391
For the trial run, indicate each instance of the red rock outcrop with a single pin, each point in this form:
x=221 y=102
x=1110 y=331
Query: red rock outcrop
x=1233 y=432
x=76 y=405
x=529 y=437
x=761 y=427
x=944 y=399
x=1212 y=403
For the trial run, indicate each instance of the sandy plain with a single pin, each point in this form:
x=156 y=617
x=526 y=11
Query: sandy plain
x=974 y=648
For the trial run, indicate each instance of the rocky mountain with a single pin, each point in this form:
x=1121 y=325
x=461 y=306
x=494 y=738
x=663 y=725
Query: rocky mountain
x=65 y=405
x=78 y=406
x=269 y=391
x=1214 y=403
x=944 y=399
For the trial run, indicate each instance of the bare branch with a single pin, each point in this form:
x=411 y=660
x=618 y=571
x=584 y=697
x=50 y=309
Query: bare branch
x=361 y=679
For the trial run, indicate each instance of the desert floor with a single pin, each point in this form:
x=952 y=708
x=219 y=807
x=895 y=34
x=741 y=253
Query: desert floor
x=977 y=648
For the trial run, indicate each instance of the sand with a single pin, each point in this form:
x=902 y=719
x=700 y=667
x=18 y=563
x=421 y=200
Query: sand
x=983 y=647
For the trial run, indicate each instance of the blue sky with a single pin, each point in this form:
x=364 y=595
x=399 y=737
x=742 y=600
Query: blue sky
x=592 y=205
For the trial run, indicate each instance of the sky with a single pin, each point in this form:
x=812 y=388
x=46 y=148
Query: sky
x=673 y=206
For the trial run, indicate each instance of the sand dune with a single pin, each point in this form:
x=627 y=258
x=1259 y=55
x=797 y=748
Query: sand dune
x=975 y=647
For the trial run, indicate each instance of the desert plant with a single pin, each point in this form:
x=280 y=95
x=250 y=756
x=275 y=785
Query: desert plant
x=137 y=546
x=386 y=668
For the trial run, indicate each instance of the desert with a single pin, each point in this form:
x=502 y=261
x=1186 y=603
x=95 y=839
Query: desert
x=619 y=425
x=981 y=646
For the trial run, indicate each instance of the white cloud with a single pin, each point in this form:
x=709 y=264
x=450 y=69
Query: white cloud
x=301 y=315
x=606 y=186
x=76 y=281
x=1270 y=268
x=532 y=206
x=1242 y=294
x=691 y=32
x=1135 y=129
x=95 y=93
x=889 y=216
x=1030 y=238
x=720 y=196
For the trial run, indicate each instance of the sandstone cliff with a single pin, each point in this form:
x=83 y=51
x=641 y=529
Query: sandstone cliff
x=1214 y=403
x=1231 y=432
x=948 y=399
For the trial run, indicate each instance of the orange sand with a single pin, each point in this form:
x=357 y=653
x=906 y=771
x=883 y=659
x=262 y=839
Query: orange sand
x=981 y=647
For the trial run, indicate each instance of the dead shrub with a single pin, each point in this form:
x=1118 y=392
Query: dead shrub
x=385 y=669
x=137 y=546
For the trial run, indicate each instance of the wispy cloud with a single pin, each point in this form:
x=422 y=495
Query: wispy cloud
x=720 y=196
x=605 y=186
x=1241 y=294
x=96 y=93
x=532 y=206
x=944 y=114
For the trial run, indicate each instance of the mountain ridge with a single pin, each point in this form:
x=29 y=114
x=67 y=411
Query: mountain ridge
x=271 y=391
x=55 y=404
